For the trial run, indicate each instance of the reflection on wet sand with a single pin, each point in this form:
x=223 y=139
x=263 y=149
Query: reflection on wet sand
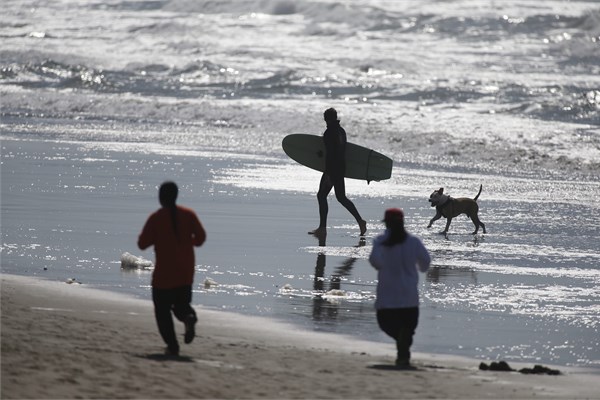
x=323 y=308
x=444 y=273
x=441 y=274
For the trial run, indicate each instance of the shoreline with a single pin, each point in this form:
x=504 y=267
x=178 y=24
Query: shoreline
x=71 y=341
x=51 y=233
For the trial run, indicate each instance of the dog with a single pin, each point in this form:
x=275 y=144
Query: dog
x=450 y=207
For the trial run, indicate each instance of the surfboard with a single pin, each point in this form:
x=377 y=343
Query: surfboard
x=361 y=163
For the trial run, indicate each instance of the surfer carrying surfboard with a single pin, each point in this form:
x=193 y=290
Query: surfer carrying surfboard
x=334 y=138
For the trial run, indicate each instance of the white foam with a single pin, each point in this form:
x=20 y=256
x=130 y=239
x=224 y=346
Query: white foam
x=129 y=261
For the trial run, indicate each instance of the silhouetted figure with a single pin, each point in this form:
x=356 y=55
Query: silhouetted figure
x=397 y=255
x=173 y=231
x=335 y=281
x=334 y=138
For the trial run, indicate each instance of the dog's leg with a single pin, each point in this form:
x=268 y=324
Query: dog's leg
x=477 y=224
x=448 y=220
x=437 y=216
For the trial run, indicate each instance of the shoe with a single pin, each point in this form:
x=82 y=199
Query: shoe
x=190 y=329
x=403 y=363
x=171 y=351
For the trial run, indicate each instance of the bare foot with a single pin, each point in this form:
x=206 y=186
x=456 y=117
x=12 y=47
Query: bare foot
x=363 y=227
x=318 y=232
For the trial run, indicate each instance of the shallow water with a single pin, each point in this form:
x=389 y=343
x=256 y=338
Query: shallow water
x=527 y=290
x=102 y=101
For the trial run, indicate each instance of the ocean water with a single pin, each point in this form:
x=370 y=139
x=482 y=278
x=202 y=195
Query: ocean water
x=101 y=101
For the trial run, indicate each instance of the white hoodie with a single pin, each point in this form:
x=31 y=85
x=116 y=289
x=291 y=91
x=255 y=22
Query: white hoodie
x=397 y=276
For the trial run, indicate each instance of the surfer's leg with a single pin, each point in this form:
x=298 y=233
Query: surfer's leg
x=325 y=187
x=163 y=302
x=340 y=194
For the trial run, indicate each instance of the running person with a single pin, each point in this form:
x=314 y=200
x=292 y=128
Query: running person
x=173 y=231
x=398 y=256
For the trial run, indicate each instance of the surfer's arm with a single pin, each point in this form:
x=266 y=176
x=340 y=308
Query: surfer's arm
x=334 y=152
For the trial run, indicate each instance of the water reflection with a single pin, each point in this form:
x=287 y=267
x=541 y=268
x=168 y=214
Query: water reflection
x=443 y=274
x=325 y=308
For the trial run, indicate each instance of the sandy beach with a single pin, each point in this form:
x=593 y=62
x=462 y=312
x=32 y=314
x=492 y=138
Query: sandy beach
x=68 y=341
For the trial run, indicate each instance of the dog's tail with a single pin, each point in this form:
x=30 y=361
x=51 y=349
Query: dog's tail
x=480 y=189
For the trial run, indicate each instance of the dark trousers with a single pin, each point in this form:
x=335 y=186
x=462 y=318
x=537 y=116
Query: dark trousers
x=175 y=300
x=337 y=183
x=400 y=324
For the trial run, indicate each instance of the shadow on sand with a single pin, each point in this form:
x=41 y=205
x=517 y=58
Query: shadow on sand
x=393 y=367
x=165 y=357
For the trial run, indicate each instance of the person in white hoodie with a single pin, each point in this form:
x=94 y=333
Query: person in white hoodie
x=398 y=256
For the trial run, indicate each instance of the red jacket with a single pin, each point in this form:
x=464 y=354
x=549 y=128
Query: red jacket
x=175 y=258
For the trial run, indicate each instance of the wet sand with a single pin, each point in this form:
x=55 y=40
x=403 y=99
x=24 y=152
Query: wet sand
x=69 y=341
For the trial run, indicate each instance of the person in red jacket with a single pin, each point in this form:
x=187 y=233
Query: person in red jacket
x=173 y=230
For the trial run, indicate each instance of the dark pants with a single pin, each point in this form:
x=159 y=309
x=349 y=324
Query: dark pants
x=172 y=300
x=337 y=183
x=400 y=325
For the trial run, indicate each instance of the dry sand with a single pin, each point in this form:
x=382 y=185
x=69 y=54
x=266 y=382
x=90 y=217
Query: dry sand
x=68 y=341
